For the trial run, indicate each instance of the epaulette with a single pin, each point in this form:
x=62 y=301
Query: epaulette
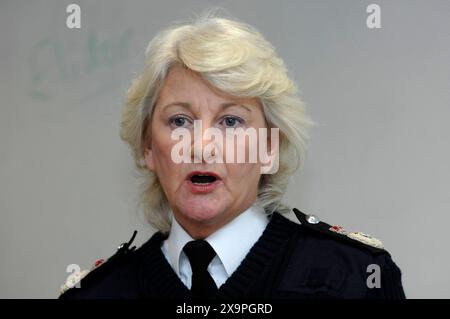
x=75 y=278
x=359 y=239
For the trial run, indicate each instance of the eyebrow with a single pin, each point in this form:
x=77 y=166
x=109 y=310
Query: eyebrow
x=223 y=105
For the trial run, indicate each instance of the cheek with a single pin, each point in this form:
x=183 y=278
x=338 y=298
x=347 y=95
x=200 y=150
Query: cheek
x=164 y=165
x=168 y=172
x=163 y=160
x=235 y=173
x=161 y=143
x=162 y=151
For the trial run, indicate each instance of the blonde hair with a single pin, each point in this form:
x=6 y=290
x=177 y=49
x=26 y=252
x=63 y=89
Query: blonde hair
x=235 y=58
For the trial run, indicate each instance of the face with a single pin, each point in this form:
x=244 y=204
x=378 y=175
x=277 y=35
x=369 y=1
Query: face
x=201 y=204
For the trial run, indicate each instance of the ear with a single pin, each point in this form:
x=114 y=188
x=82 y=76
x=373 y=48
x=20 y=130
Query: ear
x=148 y=157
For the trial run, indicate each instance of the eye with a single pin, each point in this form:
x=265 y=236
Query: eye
x=232 y=121
x=178 y=121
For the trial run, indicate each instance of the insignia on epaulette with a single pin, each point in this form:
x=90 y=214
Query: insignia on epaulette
x=313 y=222
x=359 y=236
x=74 y=278
x=366 y=239
x=339 y=229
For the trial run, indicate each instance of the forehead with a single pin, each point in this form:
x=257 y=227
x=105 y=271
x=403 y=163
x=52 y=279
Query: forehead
x=185 y=85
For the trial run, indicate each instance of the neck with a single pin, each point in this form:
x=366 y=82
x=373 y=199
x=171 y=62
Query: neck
x=202 y=229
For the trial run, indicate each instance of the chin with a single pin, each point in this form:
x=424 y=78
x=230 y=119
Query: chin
x=201 y=209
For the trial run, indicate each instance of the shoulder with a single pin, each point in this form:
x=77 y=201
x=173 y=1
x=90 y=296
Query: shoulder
x=337 y=233
x=325 y=256
x=115 y=277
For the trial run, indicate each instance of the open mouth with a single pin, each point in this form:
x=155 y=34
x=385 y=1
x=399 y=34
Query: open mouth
x=202 y=182
x=202 y=178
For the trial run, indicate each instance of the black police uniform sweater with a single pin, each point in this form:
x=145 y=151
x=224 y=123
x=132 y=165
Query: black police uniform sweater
x=288 y=261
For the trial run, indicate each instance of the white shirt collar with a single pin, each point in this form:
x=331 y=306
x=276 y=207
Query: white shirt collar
x=232 y=242
x=174 y=244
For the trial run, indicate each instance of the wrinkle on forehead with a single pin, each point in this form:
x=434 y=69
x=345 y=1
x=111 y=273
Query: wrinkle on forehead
x=180 y=86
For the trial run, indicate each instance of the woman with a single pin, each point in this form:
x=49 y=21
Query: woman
x=221 y=229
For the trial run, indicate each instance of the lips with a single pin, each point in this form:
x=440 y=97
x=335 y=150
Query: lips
x=202 y=182
x=202 y=177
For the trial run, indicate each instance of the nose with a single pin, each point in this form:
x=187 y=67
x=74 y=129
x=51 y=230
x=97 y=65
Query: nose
x=205 y=147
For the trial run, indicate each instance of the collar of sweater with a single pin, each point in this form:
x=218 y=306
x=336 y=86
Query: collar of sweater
x=159 y=279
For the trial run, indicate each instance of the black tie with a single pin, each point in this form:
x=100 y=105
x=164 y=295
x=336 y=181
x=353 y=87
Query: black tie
x=200 y=254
